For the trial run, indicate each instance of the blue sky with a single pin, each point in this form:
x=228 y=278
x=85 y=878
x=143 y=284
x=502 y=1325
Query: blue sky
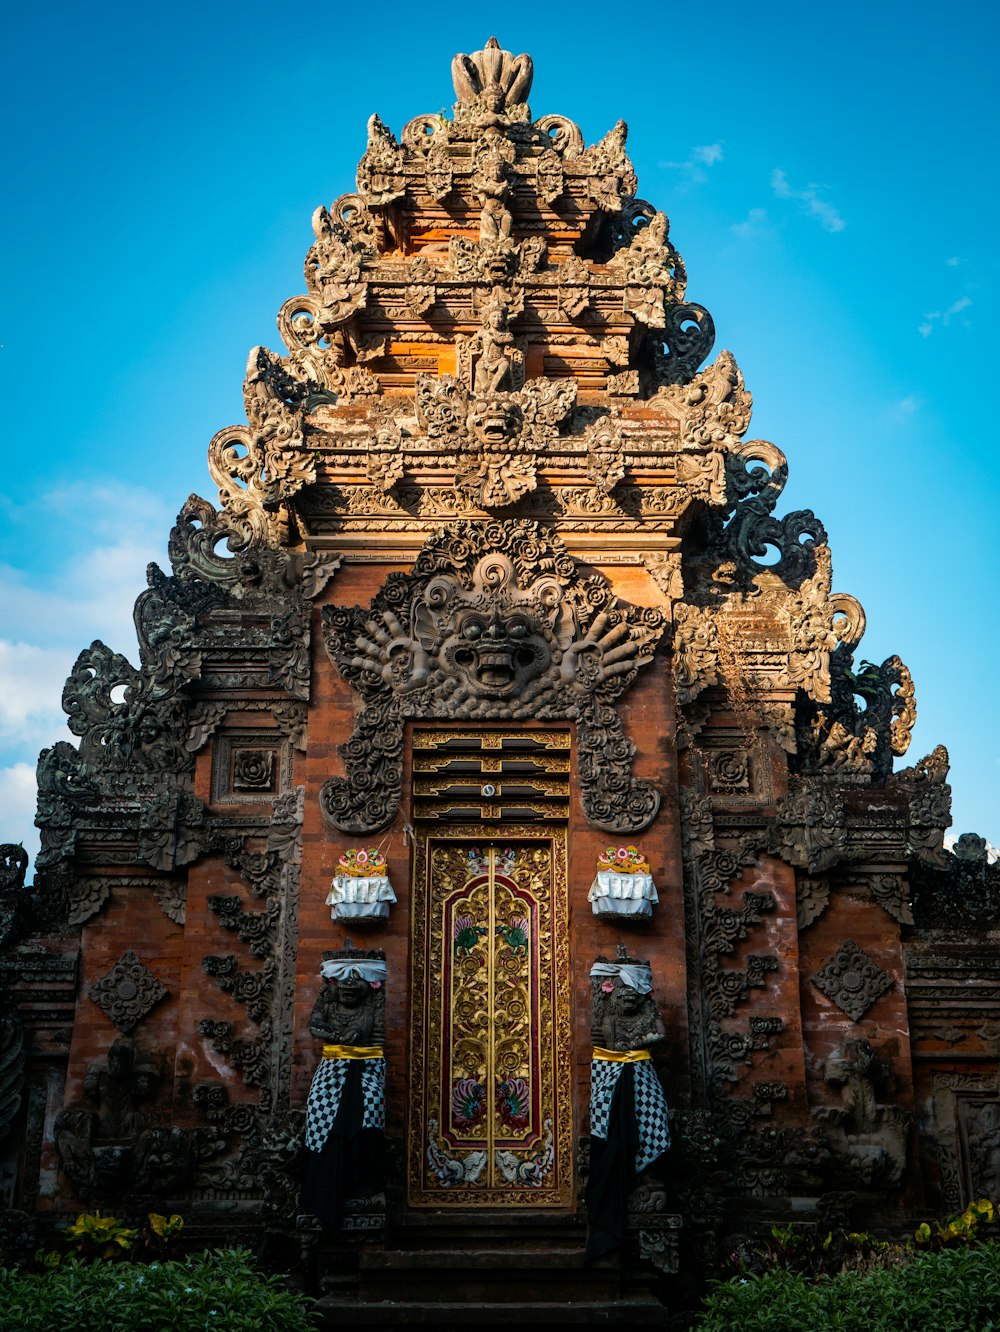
x=830 y=176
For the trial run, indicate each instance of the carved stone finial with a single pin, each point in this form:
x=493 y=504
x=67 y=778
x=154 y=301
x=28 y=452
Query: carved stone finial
x=493 y=78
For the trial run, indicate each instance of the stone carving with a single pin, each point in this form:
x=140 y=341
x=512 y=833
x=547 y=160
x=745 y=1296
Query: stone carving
x=868 y=1139
x=809 y=831
x=345 y=1112
x=128 y=992
x=492 y=349
x=624 y=1020
x=253 y=769
x=116 y=1149
x=964 y=895
x=381 y=172
x=498 y=435
x=493 y=622
x=612 y=178
x=492 y=84
x=12 y=1061
x=812 y=897
x=852 y=980
x=926 y=785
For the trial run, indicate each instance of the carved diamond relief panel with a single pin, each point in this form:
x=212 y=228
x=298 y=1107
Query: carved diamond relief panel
x=127 y=992
x=852 y=980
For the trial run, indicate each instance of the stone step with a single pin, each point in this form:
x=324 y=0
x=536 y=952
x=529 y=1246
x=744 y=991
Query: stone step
x=634 y=1311
x=494 y=1275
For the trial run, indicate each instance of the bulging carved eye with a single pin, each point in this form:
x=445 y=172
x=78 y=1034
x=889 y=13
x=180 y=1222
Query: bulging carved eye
x=472 y=631
x=517 y=629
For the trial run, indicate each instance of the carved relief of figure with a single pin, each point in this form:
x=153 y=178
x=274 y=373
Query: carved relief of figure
x=984 y=1150
x=492 y=344
x=869 y=1139
x=492 y=186
x=345 y=1112
x=98 y=1150
x=629 y=1128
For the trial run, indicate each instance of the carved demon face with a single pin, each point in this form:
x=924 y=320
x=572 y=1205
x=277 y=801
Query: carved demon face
x=494 y=422
x=497 y=649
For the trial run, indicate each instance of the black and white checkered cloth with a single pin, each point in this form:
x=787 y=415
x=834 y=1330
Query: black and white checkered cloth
x=327 y=1089
x=651 y=1114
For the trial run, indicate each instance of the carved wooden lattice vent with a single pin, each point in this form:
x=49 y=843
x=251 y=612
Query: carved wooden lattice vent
x=503 y=776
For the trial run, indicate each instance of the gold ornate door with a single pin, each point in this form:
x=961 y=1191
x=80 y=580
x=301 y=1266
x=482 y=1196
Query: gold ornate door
x=490 y=1104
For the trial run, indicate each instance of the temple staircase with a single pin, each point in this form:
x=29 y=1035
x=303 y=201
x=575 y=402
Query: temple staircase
x=438 y=1270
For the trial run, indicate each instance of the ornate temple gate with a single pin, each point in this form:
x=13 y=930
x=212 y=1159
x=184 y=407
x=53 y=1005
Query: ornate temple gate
x=490 y=1090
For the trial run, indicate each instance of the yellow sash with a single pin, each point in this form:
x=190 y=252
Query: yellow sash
x=622 y=1056
x=353 y=1052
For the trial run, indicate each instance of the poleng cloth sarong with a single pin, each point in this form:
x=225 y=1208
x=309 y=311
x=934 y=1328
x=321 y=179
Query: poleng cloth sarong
x=327 y=1090
x=629 y=1128
x=651 y=1115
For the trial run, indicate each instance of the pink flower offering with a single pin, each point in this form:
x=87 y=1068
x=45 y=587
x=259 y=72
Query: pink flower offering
x=606 y=987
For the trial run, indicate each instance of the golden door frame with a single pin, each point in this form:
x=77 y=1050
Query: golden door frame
x=490 y=1103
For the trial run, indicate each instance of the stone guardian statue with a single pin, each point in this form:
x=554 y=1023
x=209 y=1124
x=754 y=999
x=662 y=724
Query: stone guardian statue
x=629 y=1128
x=345 y=1112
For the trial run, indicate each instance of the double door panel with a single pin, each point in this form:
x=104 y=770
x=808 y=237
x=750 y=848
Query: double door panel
x=490 y=1105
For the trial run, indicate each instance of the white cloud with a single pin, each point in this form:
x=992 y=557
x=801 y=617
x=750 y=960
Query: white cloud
x=954 y=261
x=944 y=317
x=708 y=155
x=106 y=536
x=696 y=161
x=810 y=200
x=755 y=224
x=17 y=806
x=31 y=683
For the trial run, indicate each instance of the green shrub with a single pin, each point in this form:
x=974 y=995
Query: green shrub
x=221 y=1290
x=954 y=1290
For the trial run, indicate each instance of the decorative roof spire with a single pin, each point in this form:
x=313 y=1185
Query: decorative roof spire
x=493 y=79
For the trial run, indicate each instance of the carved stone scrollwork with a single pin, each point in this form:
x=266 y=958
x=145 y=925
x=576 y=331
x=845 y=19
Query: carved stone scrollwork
x=686 y=339
x=381 y=177
x=962 y=894
x=494 y=622
x=718 y=404
x=612 y=176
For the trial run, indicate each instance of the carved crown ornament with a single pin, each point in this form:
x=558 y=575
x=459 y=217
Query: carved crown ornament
x=495 y=622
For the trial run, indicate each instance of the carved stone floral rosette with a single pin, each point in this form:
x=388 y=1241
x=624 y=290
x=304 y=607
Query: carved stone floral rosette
x=493 y=623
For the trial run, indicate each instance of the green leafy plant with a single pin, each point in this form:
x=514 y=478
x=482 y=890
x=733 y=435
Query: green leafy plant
x=161 y=1234
x=102 y=1238
x=952 y=1290
x=222 y=1289
x=974 y=1225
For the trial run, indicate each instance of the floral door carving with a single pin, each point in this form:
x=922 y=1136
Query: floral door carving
x=491 y=1119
